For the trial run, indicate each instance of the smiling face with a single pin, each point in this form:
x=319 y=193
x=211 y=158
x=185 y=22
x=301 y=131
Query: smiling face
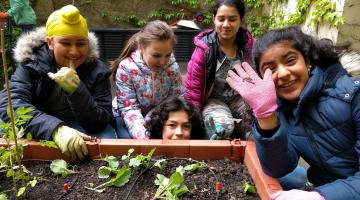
x=157 y=54
x=227 y=22
x=289 y=70
x=177 y=126
x=69 y=48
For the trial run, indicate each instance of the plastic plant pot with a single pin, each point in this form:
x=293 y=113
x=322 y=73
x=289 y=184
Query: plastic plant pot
x=236 y=150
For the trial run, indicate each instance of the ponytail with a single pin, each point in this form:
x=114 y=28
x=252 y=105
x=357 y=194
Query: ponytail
x=130 y=47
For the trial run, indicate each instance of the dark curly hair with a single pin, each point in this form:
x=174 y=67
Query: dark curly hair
x=160 y=114
x=320 y=53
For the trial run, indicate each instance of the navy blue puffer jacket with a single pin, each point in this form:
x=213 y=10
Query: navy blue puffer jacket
x=323 y=128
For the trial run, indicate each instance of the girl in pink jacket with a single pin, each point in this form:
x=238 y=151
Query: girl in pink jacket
x=217 y=51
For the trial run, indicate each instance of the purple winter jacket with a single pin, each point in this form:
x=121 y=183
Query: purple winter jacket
x=201 y=68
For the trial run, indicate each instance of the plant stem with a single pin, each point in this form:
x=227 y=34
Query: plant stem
x=13 y=177
x=102 y=185
x=17 y=152
x=3 y=54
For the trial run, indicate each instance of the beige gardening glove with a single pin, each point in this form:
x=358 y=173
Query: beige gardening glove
x=66 y=78
x=71 y=142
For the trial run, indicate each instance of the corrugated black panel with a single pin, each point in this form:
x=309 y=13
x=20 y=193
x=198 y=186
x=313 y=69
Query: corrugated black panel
x=112 y=41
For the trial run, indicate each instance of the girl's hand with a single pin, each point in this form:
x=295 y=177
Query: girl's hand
x=66 y=78
x=259 y=93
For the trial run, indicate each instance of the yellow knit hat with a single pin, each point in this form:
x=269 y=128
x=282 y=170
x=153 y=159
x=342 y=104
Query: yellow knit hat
x=66 y=21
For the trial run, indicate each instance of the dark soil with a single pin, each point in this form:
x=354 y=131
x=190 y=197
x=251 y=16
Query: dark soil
x=201 y=183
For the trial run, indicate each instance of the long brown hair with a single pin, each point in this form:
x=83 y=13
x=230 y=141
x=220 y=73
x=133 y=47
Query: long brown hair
x=153 y=31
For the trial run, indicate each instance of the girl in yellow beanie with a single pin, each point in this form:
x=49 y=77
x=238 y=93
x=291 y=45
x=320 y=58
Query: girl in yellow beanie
x=61 y=78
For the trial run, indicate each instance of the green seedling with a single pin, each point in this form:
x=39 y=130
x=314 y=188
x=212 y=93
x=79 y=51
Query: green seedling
x=248 y=188
x=161 y=163
x=170 y=188
x=174 y=187
x=10 y=157
x=20 y=117
x=127 y=157
x=112 y=161
x=142 y=160
x=120 y=176
x=60 y=167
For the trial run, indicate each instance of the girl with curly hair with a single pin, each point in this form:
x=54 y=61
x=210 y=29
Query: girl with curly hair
x=175 y=119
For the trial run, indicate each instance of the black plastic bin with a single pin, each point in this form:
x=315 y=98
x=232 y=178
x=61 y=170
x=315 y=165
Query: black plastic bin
x=112 y=41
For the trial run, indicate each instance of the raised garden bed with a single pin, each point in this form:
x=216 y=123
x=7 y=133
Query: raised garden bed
x=237 y=151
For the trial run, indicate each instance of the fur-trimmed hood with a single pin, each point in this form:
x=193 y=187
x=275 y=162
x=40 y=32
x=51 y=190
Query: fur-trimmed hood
x=28 y=42
x=351 y=62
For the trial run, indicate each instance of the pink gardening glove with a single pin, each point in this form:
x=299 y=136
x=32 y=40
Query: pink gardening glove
x=296 y=195
x=259 y=93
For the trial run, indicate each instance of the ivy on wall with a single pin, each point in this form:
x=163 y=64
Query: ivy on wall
x=263 y=16
x=324 y=12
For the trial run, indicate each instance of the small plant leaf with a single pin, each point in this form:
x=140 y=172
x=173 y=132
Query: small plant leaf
x=21 y=191
x=28 y=136
x=23 y=110
x=135 y=162
x=104 y=172
x=170 y=188
x=195 y=166
x=160 y=179
x=126 y=157
x=176 y=179
x=59 y=167
x=122 y=177
x=20 y=133
x=180 y=169
x=160 y=163
x=48 y=143
x=112 y=161
x=3 y=196
x=151 y=152
x=248 y=188
x=33 y=182
x=10 y=173
x=180 y=191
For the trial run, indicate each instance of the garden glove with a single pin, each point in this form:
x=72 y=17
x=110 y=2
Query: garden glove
x=71 y=142
x=259 y=94
x=296 y=195
x=66 y=78
x=217 y=132
x=3 y=15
